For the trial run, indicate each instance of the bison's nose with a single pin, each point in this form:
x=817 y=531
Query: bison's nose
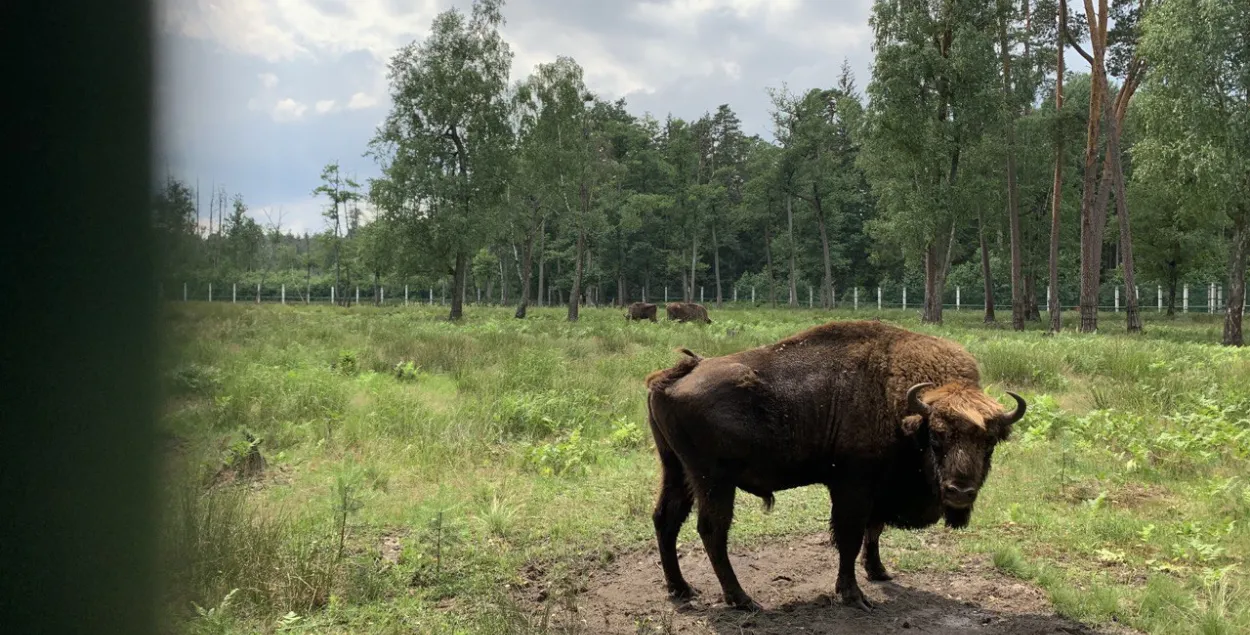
x=959 y=495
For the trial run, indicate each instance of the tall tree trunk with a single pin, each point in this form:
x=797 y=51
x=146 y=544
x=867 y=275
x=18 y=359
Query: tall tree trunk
x=826 y=286
x=575 y=294
x=1236 y=280
x=1090 y=261
x=1056 y=197
x=768 y=264
x=1173 y=281
x=542 y=261
x=1133 y=315
x=459 y=282
x=986 y=274
x=694 y=263
x=794 y=291
x=1019 y=307
x=716 y=264
x=527 y=263
x=936 y=263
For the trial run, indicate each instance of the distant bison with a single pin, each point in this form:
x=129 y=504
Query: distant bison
x=893 y=423
x=687 y=312
x=640 y=311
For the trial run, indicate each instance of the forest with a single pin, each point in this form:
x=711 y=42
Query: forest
x=974 y=158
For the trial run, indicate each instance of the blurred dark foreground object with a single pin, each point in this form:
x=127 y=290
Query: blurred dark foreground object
x=77 y=505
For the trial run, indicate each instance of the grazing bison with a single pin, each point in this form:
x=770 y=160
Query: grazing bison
x=640 y=311
x=687 y=312
x=893 y=423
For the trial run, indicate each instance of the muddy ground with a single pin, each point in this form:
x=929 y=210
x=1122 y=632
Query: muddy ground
x=794 y=581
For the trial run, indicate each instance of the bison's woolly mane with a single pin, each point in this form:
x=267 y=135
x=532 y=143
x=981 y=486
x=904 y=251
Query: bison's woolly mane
x=966 y=400
x=660 y=380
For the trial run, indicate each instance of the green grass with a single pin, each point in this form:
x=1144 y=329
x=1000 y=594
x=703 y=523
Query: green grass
x=416 y=467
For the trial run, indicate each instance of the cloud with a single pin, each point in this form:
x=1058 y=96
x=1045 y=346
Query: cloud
x=683 y=57
x=360 y=101
x=285 y=30
x=287 y=110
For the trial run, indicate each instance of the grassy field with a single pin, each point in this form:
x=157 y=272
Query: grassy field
x=416 y=468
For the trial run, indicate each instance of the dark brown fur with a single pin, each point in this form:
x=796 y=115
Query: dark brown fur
x=687 y=312
x=641 y=311
x=826 y=406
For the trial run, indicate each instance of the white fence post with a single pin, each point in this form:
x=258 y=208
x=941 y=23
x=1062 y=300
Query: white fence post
x=357 y=295
x=284 y=294
x=666 y=291
x=1185 y=299
x=184 y=292
x=405 y=295
x=331 y=295
x=431 y=296
x=257 y=293
x=855 y=295
x=752 y=295
x=700 y=294
x=234 y=293
x=1117 y=299
x=1159 y=290
x=810 y=304
x=1219 y=296
x=210 y=292
x=382 y=295
x=735 y=293
x=878 y=298
x=904 y=297
x=957 y=298
x=1137 y=293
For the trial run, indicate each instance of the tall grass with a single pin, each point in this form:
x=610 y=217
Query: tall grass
x=417 y=466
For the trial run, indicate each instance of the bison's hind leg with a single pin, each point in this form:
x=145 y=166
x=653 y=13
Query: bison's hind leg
x=873 y=567
x=671 y=510
x=716 y=514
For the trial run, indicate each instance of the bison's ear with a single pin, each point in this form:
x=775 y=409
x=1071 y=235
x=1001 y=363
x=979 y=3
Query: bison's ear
x=916 y=427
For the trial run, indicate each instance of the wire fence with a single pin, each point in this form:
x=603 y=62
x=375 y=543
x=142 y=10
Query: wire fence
x=1191 y=299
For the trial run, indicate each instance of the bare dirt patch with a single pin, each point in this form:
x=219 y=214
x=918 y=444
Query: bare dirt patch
x=794 y=581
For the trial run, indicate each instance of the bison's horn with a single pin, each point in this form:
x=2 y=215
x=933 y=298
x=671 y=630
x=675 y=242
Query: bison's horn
x=1008 y=418
x=914 y=404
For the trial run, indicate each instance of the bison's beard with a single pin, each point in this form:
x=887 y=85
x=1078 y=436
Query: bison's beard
x=957 y=517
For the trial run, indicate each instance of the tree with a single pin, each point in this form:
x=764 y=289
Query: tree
x=548 y=105
x=820 y=154
x=445 y=146
x=341 y=191
x=933 y=60
x=1120 y=44
x=1196 y=115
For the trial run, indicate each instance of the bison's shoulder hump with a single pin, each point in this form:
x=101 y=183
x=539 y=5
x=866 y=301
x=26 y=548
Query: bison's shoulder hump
x=718 y=379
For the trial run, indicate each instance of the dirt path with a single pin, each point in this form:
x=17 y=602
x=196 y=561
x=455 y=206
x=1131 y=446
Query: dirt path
x=793 y=581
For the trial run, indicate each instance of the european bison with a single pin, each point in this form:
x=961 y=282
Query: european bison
x=893 y=423
x=687 y=312
x=640 y=311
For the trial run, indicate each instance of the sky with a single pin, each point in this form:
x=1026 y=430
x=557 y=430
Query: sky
x=258 y=95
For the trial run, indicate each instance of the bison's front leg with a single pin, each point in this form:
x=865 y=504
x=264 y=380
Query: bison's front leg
x=716 y=513
x=849 y=519
x=872 y=553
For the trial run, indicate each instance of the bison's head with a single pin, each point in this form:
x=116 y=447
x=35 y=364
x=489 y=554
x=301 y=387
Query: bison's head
x=962 y=425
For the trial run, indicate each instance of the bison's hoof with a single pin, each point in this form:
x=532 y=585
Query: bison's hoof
x=855 y=598
x=878 y=574
x=682 y=592
x=744 y=603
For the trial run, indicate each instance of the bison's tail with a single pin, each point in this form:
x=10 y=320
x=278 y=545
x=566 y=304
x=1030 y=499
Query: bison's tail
x=660 y=380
